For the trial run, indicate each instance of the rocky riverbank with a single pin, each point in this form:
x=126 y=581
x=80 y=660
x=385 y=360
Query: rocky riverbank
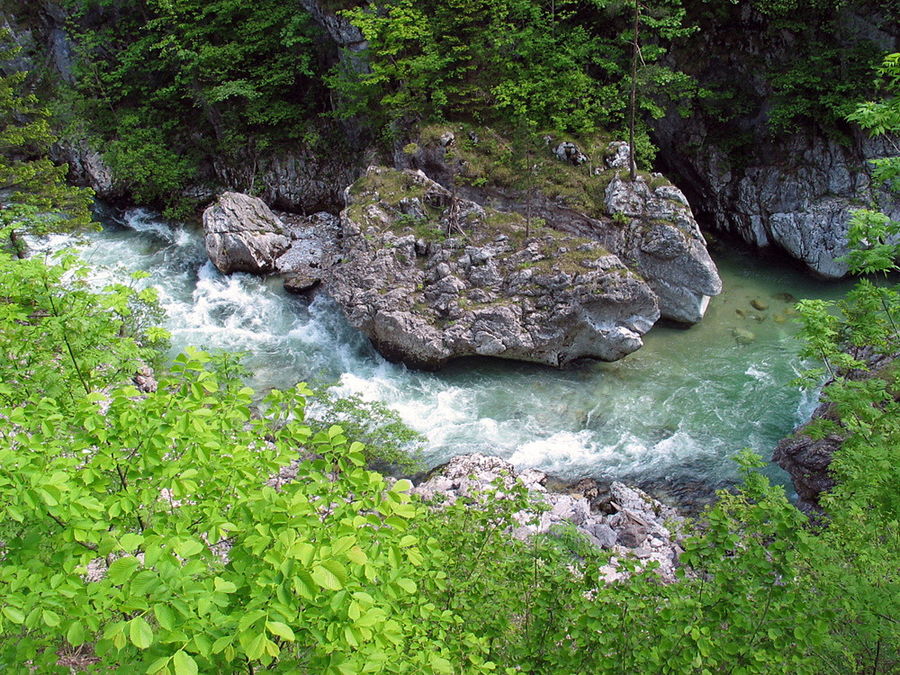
x=623 y=520
x=807 y=455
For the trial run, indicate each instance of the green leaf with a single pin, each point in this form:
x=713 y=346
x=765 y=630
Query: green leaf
x=158 y=665
x=257 y=647
x=407 y=585
x=223 y=586
x=441 y=665
x=184 y=664
x=164 y=616
x=140 y=633
x=131 y=541
x=144 y=582
x=357 y=555
x=122 y=569
x=13 y=614
x=76 y=635
x=189 y=548
x=326 y=578
x=281 y=630
x=50 y=618
x=402 y=485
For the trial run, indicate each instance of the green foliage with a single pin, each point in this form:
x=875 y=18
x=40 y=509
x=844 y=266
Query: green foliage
x=858 y=339
x=198 y=529
x=830 y=66
x=516 y=62
x=149 y=527
x=389 y=442
x=822 y=85
x=36 y=198
x=882 y=118
x=60 y=337
x=171 y=84
x=142 y=524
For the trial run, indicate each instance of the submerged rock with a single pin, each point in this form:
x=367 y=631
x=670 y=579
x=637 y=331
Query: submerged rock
x=243 y=235
x=429 y=277
x=743 y=336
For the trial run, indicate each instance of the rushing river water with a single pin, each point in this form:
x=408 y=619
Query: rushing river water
x=669 y=416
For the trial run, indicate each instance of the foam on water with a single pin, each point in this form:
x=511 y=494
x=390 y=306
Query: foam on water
x=674 y=411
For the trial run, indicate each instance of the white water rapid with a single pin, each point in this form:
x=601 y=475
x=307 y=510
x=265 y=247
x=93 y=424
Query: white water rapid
x=669 y=416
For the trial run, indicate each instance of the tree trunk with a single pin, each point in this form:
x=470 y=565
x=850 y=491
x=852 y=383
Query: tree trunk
x=632 y=164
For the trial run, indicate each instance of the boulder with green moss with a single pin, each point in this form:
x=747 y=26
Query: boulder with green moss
x=429 y=276
x=580 y=186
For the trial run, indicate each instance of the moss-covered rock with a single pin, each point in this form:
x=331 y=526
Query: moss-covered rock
x=580 y=186
x=430 y=276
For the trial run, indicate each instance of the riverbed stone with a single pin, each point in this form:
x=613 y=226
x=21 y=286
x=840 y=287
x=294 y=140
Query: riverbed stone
x=243 y=235
x=743 y=336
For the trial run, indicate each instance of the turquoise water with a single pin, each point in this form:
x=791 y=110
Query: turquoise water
x=669 y=416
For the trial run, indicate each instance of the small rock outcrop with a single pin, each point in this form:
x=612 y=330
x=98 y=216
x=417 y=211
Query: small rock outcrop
x=313 y=247
x=637 y=524
x=430 y=277
x=87 y=168
x=807 y=457
x=243 y=235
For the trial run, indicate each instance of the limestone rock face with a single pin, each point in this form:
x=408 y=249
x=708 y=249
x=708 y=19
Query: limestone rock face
x=243 y=235
x=293 y=179
x=662 y=241
x=87 y=168
x=429 y=277
x=797 y=196
x=638 y=525
x=618 y=155
x=793 y=191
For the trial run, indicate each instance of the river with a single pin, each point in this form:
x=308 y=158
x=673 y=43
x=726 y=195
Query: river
x=670 y=416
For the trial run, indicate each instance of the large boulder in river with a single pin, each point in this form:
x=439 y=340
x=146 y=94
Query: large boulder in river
x=243 y=235
x=581 y=189
x=659 y=238
x=429 y=277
